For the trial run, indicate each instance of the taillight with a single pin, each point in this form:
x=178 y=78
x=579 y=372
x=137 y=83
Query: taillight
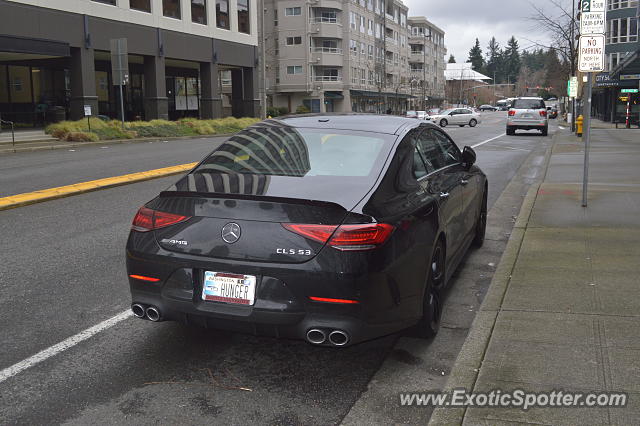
x=147 y=219
x=345 y=237
x=512 y=112
x=543 y=113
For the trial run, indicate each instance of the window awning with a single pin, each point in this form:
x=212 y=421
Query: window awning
x=333 y=95
x=373 y=94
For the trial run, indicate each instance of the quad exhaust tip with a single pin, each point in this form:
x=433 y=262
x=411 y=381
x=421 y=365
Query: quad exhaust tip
x=138 y=310
x=153 y=313
x=315 y=336
x=338 y=338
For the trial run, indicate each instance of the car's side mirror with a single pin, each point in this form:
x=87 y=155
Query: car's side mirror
x=451 y=113
x=468 y=157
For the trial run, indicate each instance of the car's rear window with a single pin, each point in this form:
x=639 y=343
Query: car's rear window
x=528 y=104
x=288 y=151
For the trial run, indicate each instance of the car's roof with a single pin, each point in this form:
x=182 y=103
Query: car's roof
x=389 y=124
x=530 y=97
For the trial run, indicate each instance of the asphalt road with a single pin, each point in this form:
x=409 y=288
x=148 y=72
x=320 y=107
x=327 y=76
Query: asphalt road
x=62 y=271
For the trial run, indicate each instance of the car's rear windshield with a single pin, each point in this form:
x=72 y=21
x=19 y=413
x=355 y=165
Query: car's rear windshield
x=289 y=151
x=528 y=104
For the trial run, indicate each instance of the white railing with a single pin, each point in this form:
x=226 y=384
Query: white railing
x=327 y=78
x=335 y=50
x=323 y=20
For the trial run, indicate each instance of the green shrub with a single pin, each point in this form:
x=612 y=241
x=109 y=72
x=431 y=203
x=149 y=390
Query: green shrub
x=283 y=110
x=107 y=130
x=302 y=110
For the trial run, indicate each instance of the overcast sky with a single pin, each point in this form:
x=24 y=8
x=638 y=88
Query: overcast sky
x=464 y=20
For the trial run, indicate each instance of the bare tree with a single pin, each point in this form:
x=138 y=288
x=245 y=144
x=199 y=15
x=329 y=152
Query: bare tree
x=559 y=23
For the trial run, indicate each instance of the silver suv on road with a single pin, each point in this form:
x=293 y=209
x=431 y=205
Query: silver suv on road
x=528 y=114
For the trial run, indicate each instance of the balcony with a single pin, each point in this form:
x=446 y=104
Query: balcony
x=323 y=20
x=329 y=4
x=327 y=78
x=327 y=56
x=325 y=28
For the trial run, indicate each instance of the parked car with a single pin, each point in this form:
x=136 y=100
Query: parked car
x=329 y=228
x=487 y=108
x=552 y=112
x=420 y=115
x=459 y=116
x=528 y=113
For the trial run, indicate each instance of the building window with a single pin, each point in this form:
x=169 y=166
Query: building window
x=225 y=77
x=294 y=40
x=141 y=5
x=622 y=30
x=294 y=69
x=293 y=11
x=243 y=16
x=621 y=4
x=199 y=11
x=222 y=14
x=111 y=2
x=171 y=8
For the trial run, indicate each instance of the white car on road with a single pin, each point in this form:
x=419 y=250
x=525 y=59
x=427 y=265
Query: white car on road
x=460 y=116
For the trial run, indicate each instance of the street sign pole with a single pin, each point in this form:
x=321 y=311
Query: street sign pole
x=121 y=97
x=590 y=60
x=587 y=136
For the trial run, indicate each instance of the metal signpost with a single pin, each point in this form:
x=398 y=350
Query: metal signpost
x=87 y=113
x=120 y=68
x=590 y=60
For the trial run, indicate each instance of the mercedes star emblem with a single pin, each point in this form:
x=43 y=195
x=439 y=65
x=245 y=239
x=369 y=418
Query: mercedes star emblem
x=231 y=233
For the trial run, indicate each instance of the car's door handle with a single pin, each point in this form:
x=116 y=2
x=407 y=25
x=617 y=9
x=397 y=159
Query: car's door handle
x=464 y=182
x=444 y=195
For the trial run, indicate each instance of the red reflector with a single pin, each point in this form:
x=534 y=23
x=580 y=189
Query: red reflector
x=325 y=299
x=319 y=233
x=543 y=113
x=511 y=113
x=143 y=278
x=147 y=219
x=345 y=237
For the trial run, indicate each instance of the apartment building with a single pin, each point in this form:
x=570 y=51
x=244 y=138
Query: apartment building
x=622 y=48
x=185 y=58
x=338 y=55
x=426 y=63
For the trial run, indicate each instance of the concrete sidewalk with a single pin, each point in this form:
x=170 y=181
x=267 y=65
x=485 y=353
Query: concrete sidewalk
x=563 y=309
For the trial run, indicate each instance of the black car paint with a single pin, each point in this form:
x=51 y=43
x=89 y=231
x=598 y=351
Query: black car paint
x=389 y=282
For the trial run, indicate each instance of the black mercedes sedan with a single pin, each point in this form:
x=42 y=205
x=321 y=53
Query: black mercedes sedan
x=329 y=228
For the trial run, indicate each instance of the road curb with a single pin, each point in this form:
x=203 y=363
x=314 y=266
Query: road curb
x=63 y=145
x=467 y=365
x=21 y=200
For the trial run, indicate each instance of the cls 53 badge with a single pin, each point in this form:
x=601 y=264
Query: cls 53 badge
x=298 y=252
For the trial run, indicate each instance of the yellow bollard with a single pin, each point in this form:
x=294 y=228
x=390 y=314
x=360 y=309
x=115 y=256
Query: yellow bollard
x=579 y=125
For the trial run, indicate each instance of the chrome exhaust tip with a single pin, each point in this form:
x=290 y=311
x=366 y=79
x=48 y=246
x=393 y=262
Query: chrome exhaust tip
x=153 y=313
x=315 y=336
x=338 y=338
x=138 y=310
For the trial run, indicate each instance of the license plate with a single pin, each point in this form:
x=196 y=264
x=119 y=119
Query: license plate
x=229 y=288
x=526 y=115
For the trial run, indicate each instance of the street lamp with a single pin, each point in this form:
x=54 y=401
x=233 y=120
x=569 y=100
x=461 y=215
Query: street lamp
x=424 y=69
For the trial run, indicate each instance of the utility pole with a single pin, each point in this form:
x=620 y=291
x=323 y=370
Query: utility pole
x=494 y=88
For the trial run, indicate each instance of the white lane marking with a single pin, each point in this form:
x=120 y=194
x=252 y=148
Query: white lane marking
x=62 y=346
x=488 y=140
x=561 y=128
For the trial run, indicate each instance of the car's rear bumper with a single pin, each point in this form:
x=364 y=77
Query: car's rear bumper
x=282 y=306
x=527 y=124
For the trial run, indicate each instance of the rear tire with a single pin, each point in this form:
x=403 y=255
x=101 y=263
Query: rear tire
x=443 y=123
x=473 y=122
x=481 y=223
x=511 y=131
x=461 y=125
x=429 y=324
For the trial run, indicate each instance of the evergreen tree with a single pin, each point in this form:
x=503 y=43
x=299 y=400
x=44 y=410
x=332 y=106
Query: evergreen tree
x=452 y=59
x=475 y=57
x=493 y=60
x=511 y=60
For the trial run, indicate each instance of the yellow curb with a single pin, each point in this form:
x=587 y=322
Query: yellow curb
x=27 y=198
